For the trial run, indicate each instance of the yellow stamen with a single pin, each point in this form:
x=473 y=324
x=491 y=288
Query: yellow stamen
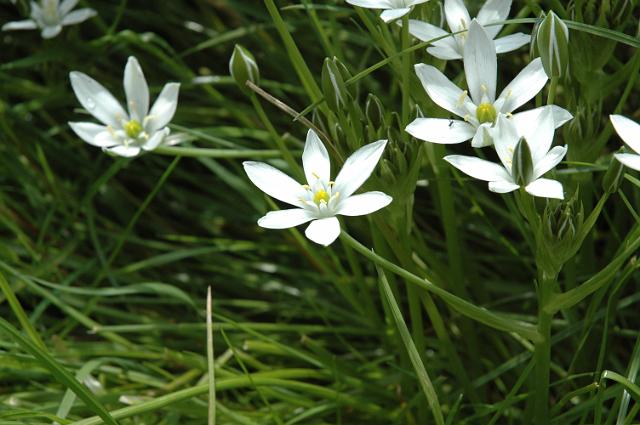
x=321 y=196
x=133 y=129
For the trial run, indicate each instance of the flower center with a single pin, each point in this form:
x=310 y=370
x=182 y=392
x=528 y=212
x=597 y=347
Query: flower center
x=321 y=196
x=486 y=113
x=133 y=129
x=50 y=11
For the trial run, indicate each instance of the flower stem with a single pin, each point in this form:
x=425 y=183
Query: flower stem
x=406 y=71
x=542 y=351
x=551 y=96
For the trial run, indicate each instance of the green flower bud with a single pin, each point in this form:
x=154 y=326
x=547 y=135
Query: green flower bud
x=552 y=39
x=243 y=68
x=333 y=87
x=374 y=111
x=613 y=177
x=522 y=166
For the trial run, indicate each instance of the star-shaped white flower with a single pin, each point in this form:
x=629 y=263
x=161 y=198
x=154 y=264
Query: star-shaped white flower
x=321 y=199
x=480 y=111
x=124 y=134
x=458 y=19
x=393 y=9
x=504 y=178
x=629 y=132
x=50 y=16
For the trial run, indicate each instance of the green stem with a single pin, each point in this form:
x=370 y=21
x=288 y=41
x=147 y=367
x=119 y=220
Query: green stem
x=218 y=153
x=406 y=72
x=551 y=96
x=542 y=352
x=462 y=306
x=19 y=312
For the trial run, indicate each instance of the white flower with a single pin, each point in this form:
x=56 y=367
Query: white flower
x=321 y=199
x=124 y=134
x=458 y=20
x=629 y=132
x=480 y=111
x=393 y=9
x=506 y=178
x=50 y=16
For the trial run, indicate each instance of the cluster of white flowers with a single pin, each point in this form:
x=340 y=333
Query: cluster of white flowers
x=522 y=141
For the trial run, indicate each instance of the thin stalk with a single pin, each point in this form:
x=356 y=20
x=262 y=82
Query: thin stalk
x=218 y=153
x=19 y=312
x=551 y=96
x=542 y=352
x=406 y=71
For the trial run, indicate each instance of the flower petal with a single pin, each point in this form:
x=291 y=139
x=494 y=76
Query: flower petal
x=89 y=132
x=364 y=203
x=482 y=136
x=524 y=87
x=505 y=138
x=444 y=52
x=163 y=108
x=628 y=130
x=425 y=31
x=511 y=42
x=545 y=188
x=503 y=186
x=479 y=168
x=415 y=2
x=358 y=167
x=315 y=159
x=323 y=231
x=440 y=130
x=527 y=121
x=78 y=16
x=457 y=16
x=393 y=14
x=27 y=24
x=550 y=160
x=630 y=160
x=285 y=219
x=442 y=91
x=480 y=64
x=51 y=31
x=493 y=11
x=274 y=182
x=540 y=137
x=97 y=100
x=372 y=4
x=121 y=150
x=66 y=6
x=136 y=89
x=155 y=140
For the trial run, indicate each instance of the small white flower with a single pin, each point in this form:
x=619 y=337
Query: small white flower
x=321 y=199
x=479 y=111
x=393 y=9
x=458 y=19
x=50 y=16
x=503 y=178
x=629 y=132
x=124 y=134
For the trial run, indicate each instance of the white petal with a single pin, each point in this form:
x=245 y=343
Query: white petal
x=546 y=188
x=126 y=151
x=527 y=121
x=482 y=137
x=274 y=182
x=478 y=168
x=540 y=138
x=323 y=231
x=503 y=186
x=524 y=87
x=444 y=52
x=358 y=167
x=493 y=11
x=78 y=16
x=28 y=24
x=505 y=138
x=51 y=31
x=364 y=203
x=155 y=140
x=480 y=64
x=425 y=31
x=163 y=108
x=285 y=219
x=97 y=100
x=457 y=15
x=550 y=160
x=440 y=130
x=89 y=131
x=511 y=42
x=315 y=159
x=628 y=130
x=629 y=159
x=136 y=89
x=393 y=14
x=415 y=2
x=66 y=6
x=372 y=4
x=442 y=91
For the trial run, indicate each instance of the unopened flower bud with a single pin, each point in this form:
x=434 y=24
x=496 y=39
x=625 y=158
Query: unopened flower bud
x=333 y=87
x=522 y=167
x=613 y=177
x=374 y=111
x=552 y=39
x=243 y=68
